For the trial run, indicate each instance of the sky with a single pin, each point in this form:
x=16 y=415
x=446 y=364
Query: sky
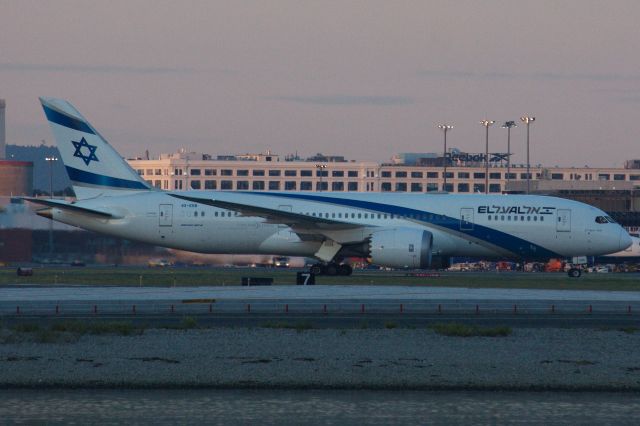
x=363 y=79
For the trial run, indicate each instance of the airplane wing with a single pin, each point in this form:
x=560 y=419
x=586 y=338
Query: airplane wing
x=299 y=222
x=63 y=205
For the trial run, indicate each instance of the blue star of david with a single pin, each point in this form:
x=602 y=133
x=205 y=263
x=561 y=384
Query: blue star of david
x=86 y=158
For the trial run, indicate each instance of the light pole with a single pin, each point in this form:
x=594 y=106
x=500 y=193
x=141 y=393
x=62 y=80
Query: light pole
x=445 y=128
x=508 y=125
x=320 y=168
x=50 y=160
x=486 y=124
x=528 y=120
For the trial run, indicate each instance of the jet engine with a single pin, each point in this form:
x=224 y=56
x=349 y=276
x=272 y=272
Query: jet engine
x=401 y=247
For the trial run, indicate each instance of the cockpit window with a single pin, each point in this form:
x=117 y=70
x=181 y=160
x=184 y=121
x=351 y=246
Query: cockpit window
x=604 y=219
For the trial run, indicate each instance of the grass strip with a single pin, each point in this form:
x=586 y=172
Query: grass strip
x=187 y=323
x=298 y=326
x=464 y=330
x=185 y=277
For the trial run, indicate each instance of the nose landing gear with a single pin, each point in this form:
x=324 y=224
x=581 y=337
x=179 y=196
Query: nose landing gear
x=331 y=269
x=574 y=273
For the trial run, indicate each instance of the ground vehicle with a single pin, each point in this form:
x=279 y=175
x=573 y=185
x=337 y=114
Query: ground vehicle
x=280 y=262
x=505 y=266
x=554 y=265
x=158 y=263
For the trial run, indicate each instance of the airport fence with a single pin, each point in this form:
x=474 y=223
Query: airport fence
x=279 y=307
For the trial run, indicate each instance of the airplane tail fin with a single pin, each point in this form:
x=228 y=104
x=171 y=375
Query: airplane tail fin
x=93 y=166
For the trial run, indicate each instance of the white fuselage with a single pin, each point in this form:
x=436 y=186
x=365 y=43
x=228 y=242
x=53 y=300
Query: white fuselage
x=486 y=226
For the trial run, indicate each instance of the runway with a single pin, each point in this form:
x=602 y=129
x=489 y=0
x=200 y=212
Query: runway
x=309 y=301
x=315 y=292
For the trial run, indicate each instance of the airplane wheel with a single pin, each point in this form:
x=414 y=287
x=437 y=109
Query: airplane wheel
x=316 y=270
x=345 y=270
x=574 y=272
x=332 y=269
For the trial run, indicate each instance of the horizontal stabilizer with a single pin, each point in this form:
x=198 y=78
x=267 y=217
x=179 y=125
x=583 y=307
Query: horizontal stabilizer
x=63 y=205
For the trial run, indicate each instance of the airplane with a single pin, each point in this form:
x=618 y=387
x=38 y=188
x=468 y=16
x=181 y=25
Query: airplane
x=401 y=230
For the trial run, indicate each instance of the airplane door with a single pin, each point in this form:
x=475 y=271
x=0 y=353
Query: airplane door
x=165 y=219
x=563 y=220
x=466 y=219
x=165 y=215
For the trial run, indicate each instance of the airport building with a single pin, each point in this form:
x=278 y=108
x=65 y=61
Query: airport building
x=615 y=190
x=257 y=172
x=16 y=177
x=268 y=172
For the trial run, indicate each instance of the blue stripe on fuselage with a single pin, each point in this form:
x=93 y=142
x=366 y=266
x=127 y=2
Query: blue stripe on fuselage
x=516 y=245
x=66 y=120
x=81 y=176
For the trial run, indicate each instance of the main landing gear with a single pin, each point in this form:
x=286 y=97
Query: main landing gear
x=331 y=269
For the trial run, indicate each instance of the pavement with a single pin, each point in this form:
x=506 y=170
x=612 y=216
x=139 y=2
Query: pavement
x=315 y=292
x=338 y=301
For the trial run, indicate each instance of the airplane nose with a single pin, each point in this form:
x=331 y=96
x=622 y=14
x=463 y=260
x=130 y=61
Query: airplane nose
x=625 y=239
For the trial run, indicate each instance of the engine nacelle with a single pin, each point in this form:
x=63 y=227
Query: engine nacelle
x=401 y=248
